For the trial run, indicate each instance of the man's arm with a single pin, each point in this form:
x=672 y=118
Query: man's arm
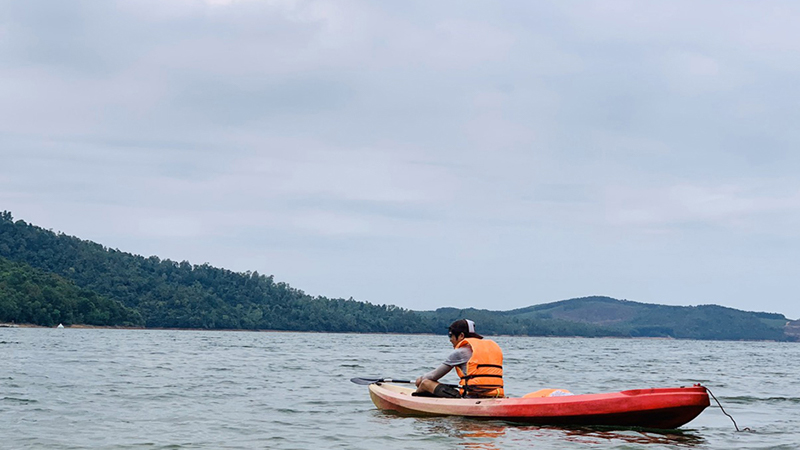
x=437 y=373
x=457 y=357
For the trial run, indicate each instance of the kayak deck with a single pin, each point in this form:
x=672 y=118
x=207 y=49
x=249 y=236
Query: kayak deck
x=664 y=408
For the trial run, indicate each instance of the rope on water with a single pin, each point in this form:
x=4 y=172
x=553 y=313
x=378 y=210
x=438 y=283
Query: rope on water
x=723 y=412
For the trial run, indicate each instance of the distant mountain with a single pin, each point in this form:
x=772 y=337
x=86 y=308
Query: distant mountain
x=605 y=316
x=127 y=289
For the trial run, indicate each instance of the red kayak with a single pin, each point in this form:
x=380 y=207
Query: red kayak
x=664 y=408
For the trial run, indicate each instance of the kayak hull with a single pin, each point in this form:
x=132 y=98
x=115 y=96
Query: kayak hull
x=664 y=408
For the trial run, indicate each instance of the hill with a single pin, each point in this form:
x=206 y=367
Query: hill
x=181 y=295
x=165 y=293
x=605 y=316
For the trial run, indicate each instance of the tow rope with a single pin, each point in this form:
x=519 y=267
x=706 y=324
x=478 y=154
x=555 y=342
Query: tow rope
x=723 y=412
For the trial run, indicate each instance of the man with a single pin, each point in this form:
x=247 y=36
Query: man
x=478 y=362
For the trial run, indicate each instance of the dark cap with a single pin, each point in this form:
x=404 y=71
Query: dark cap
x=465 y=326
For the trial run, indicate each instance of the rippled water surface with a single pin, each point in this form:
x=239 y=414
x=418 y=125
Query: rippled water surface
x=131 y=389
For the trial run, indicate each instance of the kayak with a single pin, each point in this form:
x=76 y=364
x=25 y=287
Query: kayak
x=664 y=408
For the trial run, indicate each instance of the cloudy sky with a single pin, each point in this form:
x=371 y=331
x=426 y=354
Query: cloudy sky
x=424 y=154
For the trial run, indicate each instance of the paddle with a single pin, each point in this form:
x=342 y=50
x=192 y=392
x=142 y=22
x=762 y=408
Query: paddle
x=365 y=381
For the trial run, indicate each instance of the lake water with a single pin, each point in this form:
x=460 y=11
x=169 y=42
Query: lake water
x=154 y=389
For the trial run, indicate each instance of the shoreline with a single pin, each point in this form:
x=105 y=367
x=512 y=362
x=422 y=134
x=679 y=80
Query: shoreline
x=109 y=327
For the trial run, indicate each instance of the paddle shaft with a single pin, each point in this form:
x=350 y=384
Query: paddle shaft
x=359 y=380
x=365 y=381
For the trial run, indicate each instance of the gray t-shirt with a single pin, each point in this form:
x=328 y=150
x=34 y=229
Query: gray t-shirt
x=458 y=357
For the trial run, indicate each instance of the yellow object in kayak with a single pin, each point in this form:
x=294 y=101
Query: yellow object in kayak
x=547 y=393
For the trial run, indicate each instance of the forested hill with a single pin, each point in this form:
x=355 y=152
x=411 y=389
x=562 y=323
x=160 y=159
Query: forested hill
x=48 y=278
x=604 y=316
x=178 y=294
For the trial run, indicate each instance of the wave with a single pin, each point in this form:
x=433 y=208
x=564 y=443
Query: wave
x=19 y=400
x=747 y=400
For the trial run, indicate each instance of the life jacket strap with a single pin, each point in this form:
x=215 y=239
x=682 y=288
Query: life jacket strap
x=469 y=377
x=496 y=366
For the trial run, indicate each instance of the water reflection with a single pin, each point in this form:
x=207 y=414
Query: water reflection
x=663 y=437
x=471 y=434
x=488 y=435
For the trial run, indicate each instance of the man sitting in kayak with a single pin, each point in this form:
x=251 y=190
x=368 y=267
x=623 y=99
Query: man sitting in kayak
x=478 y=361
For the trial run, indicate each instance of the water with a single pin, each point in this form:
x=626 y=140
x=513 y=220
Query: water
x=152 y=389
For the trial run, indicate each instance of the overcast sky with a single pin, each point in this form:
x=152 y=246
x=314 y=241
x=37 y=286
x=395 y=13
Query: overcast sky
x=423 y=154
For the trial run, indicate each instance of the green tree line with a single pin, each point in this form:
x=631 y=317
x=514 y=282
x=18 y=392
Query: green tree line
x=165 y=293
x=31 y=296
x=178 y=294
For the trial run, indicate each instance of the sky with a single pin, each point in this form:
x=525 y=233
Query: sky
x=424 y=154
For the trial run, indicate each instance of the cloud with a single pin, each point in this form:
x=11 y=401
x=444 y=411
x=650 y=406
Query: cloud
x=497 y=154
x=741 y=208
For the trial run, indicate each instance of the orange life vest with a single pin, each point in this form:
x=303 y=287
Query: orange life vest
x=484 y=377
